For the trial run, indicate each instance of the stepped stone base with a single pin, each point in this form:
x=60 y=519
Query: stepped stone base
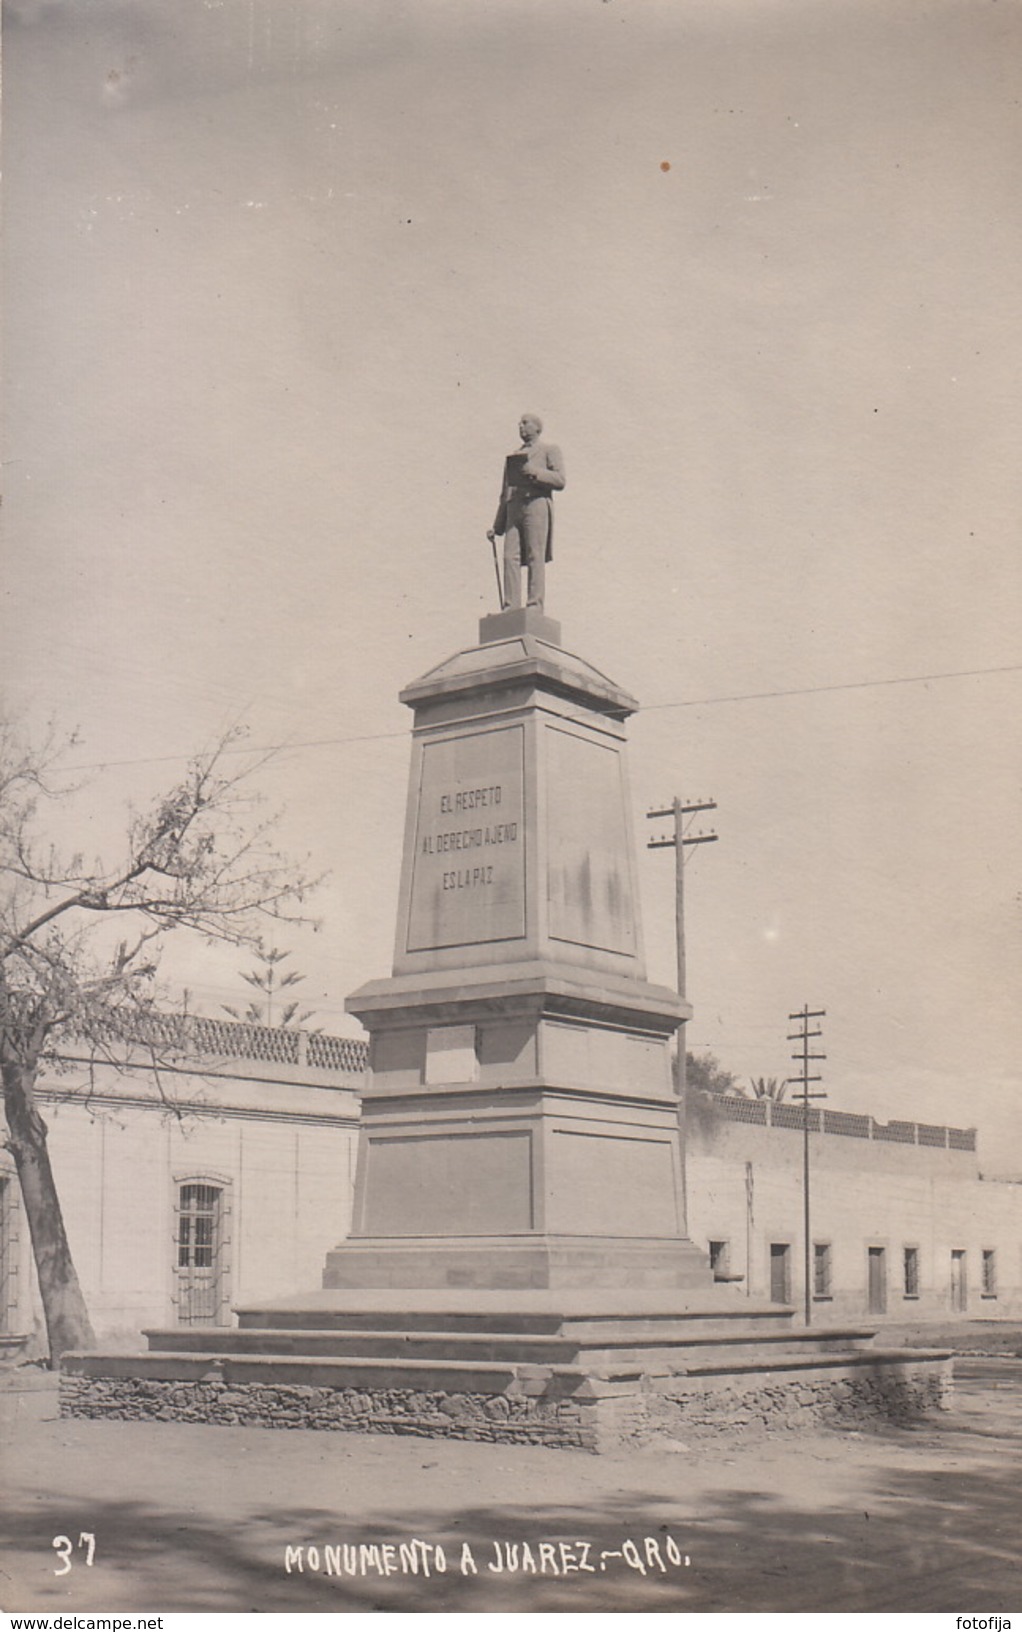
x=588 y=1371
x=528 y=1262
x=875 y=1389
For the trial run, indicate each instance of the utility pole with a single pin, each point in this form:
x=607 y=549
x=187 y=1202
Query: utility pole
x=677 y=841
x=804 y=1058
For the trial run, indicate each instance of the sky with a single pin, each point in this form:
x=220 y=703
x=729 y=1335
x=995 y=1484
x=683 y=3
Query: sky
x=281 y=276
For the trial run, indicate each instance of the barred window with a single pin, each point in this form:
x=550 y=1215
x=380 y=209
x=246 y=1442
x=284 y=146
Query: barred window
x=911 y=1272
x=197 y=1233
x=989 y=1272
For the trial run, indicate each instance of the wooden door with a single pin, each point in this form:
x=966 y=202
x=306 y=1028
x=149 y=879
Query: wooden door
x=877 y=1281
x=780 y=1272
x=199 y=1254
x=959 y=1282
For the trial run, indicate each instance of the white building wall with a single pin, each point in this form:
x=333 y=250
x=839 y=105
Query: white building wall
x=862 y=1194
x=288 y=1191
x=282 y=1142
x=283 y=1152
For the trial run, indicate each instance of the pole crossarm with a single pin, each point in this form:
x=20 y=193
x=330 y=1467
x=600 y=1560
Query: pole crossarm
x=693 y=838
x=682 y=810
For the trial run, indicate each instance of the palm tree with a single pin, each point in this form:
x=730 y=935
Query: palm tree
x=764 y=1088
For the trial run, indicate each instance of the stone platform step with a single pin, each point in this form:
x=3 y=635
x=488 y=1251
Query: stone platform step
x=534 y=1313
x=865 y=1358
x=600 y=1345
x=376 y=1373
x=590 y=1370
x=311 y=1371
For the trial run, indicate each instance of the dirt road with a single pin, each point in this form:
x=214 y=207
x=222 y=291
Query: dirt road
x=193 y=1518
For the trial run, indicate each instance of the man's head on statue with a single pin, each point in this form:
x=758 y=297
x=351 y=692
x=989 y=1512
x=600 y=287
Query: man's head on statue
x=529 y=427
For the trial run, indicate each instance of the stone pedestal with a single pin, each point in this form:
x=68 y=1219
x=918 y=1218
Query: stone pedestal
x=520 y=1126
x=519 y=1269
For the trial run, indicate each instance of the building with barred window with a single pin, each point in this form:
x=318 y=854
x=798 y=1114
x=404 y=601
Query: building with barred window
x=223 y=1173
x=227 y=1175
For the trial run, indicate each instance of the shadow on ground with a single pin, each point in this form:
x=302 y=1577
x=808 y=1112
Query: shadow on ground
x=938 y=1532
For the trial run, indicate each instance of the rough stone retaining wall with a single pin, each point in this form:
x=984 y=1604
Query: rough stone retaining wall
x=711 y=1407
x=510 y=1419
x=600 y=1416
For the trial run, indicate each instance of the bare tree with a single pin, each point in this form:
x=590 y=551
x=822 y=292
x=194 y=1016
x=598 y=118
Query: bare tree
x=199 y=860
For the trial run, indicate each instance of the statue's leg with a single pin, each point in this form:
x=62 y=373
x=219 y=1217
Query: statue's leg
x=512 y=567
x=535 y=524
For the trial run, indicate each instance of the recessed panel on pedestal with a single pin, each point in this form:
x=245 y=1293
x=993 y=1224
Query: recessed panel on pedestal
x=468 y=871
x=589 y=883
x=449 y=1184
x=611 y=1183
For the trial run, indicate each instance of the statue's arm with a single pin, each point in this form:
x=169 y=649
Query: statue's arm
x=551 y=473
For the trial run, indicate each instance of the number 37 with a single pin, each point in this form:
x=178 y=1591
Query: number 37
x=65 y=1550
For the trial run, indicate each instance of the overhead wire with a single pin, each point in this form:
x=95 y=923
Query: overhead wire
x=647 y=708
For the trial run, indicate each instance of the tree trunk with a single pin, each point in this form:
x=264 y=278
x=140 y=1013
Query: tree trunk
x=67 y=1319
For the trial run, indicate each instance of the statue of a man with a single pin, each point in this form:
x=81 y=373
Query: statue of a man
x=525 y=514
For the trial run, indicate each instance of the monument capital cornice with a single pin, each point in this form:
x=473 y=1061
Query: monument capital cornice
x=538 y=988
x=520 y=659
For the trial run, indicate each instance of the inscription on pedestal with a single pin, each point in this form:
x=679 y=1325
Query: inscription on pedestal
x=468 y=871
